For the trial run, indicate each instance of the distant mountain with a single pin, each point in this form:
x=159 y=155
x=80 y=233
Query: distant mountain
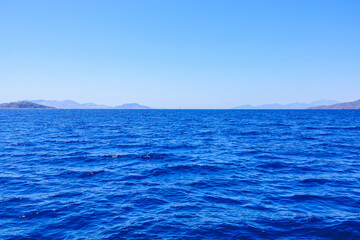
x=345 y=105
x=289 y=106
x=132 y=106
x=69 y=104
x=24 y=105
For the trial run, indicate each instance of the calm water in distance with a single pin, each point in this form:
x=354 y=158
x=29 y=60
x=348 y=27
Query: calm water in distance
x=179 y=174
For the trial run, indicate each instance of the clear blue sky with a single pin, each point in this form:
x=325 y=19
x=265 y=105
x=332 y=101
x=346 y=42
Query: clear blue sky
x=180 y=53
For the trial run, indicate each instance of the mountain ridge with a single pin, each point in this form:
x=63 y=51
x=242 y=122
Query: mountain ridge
x=24 y=105
x=297 y=105
x=344 y=105
x=70 y=104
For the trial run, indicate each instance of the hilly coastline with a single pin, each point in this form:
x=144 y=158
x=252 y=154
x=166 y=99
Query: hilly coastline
x=24 y=105
x=132 y=106
x=345 y=105
x=69 y=104
x=289 y=106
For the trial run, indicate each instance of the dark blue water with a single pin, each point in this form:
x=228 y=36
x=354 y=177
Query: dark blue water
x=179 y=174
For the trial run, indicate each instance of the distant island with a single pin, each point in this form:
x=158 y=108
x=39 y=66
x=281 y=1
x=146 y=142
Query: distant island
x=289 y=106
x=69 y=104
x=132 y=106
x=66 y=104
x=345 y=105
x=24 y=104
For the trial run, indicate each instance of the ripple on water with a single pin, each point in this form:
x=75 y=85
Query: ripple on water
x=172 y=174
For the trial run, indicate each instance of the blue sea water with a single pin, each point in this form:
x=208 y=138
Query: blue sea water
x=179 y=174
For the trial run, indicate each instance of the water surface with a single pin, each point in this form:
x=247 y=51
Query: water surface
x=179 y=174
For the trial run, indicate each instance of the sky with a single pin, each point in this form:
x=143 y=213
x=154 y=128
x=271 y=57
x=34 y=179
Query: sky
x=180 y=53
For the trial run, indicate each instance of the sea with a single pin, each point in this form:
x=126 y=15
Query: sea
x=179 y=174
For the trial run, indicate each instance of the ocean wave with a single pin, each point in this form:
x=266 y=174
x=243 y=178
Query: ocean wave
x=179 y=174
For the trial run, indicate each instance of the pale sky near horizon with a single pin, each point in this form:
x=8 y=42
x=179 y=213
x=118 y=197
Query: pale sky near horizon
x=181 y=53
